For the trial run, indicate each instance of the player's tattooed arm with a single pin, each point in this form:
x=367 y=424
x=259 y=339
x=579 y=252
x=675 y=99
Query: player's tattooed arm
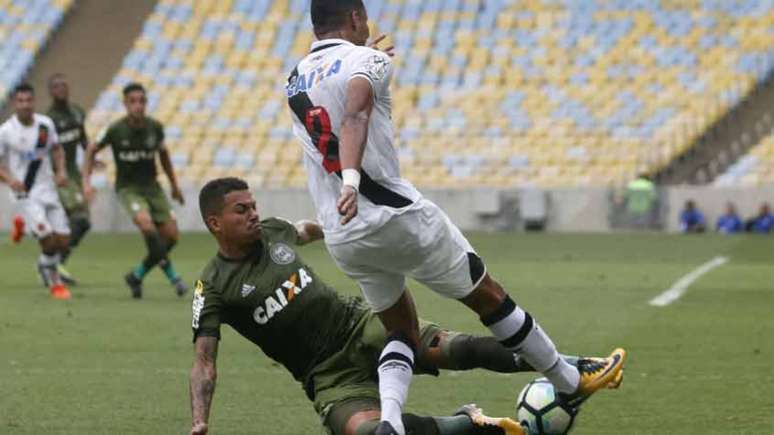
x=308 y=232
x=354 y=133
x=166 y=164
x=203 y=376
x=60 y=170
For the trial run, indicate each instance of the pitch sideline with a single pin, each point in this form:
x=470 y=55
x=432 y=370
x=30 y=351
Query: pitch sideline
x=679 y=288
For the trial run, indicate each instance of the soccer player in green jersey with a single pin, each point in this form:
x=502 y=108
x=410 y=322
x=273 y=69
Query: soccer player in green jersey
x=68 y=119
x=259 y=285
x=136 y=139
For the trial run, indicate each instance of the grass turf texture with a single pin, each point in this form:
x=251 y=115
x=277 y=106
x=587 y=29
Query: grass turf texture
x=103 y=363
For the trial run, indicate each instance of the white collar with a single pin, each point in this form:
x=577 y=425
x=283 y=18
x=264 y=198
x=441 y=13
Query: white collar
x=323 y=43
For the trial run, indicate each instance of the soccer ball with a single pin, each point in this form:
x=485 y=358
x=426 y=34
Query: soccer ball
x=540 y=412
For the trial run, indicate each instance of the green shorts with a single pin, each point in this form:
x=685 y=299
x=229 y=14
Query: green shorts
x=150 y=198
x=351 y=373
x=71 y=196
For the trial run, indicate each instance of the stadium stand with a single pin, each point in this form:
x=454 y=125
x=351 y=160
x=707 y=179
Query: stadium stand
x=498 y=92
x=754 y=169
x=25 y=25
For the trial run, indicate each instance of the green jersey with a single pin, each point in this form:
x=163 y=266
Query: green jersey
x=276 y=301
x=134 y=151
x=69 y=119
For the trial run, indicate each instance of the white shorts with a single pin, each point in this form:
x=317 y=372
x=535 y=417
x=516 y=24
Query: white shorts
x=41 y=219
x=422 y=244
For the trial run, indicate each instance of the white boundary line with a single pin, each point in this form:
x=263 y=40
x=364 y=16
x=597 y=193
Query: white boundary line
x=681 y=286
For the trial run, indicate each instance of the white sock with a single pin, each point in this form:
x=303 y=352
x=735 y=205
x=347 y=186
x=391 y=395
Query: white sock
x=48 y=265
x=516 y=330
x=395 y=371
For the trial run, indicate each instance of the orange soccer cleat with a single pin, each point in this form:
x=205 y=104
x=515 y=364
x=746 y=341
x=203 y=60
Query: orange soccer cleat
x=60 y=291
x=17 y=229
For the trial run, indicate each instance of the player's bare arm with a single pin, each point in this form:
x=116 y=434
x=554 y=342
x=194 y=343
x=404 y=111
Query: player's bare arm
x=354 y=133
x=308 y=231
x=88 y=166
x=166 y=164
x=203 y=376
x=6 y=177
x=60 y=170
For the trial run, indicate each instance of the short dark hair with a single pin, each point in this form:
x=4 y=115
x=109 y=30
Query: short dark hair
x=212 y=194
x=23 y=87
x=330 y=15
x=133 y=86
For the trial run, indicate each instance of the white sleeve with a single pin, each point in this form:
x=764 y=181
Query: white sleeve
x=2 y=142
x=374 y=66
x=53 y=136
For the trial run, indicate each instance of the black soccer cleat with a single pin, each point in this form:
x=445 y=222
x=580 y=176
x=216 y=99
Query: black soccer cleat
x=181 y=288
x=385 y=428
x=65 y=275
x=135 y=285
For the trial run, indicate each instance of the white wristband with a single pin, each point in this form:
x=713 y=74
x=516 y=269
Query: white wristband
x=351 y=177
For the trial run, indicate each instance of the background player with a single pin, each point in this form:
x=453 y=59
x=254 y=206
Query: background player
x=258 y=284
x=68 y=119
x=136 y=139
x=379 y=229
x=28 y=143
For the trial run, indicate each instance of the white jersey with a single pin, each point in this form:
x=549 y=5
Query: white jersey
x=316 y=91
x=27 y=153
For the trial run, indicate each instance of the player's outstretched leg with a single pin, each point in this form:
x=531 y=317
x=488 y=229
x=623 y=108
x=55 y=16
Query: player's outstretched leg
x=517 y=331
x=347 y=419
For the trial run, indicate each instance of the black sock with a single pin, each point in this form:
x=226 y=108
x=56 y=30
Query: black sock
x=156 y=250
x=79 y=226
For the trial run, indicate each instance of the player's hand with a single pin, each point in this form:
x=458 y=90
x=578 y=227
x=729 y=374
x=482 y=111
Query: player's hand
x=389 y=51
x=88 y=192
x=177 y=195
x=61 y=180
x=17 y=186
x=347 y=204
x=199 y=429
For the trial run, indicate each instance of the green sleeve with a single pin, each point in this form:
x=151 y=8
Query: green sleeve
x=160 y=133
x=281 y=230
x=105 y=139
x=207 y=306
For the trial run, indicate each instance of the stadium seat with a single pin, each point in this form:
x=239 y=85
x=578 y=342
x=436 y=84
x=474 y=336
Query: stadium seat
x=485 y=92
x=25 y=27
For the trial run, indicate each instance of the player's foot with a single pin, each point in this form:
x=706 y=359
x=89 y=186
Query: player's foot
x=65 y=275
x=595 y=374
x=503 y=425
x=385 y=428
x=135 y=284
x=181 y=287
x=17 y=229
x=59 y=291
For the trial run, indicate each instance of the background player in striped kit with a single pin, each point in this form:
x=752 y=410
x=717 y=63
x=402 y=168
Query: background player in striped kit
x=28 y=143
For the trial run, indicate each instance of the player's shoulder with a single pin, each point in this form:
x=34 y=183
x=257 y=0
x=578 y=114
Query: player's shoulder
x=358 y=54
x=209 y=275
x=274 y=226
x=43 y=119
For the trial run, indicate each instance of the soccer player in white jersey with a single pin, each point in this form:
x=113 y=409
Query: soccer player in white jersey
x=378 y=227
x=28 y=142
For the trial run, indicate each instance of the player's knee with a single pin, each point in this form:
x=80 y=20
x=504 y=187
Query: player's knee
x=48 y=245
x=144 y=223
x=487 y=297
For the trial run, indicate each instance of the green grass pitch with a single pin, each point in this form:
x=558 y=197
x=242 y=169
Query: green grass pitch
x=105 y=364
